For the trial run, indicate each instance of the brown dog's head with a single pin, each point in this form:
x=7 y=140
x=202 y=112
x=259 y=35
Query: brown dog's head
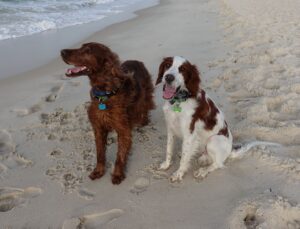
x=89 y=59
x=177 y=73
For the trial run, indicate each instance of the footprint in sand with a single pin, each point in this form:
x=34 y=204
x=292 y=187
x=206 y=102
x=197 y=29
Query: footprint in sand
x=92 y=221
x=54 y=93
x=140 y=185
x=3 y=169
x=38 y=107
x=8 y=156
x=57 y=153
x=86 y=194
x=13 y=197
x=33 y=109
x=6 y=144
x=266 y=212
x=142 y=135
x=251 y=221
x=16 y=160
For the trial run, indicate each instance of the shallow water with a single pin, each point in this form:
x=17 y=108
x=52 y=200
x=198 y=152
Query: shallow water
x=24 y=17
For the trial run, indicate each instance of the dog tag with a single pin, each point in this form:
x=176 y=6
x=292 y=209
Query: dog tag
x=102 y=106
x=177 y=108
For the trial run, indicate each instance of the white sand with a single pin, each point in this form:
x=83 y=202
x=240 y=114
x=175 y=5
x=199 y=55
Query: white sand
x=264 y=63
x=248 y=54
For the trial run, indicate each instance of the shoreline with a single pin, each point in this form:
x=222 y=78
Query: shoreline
x=36 y=50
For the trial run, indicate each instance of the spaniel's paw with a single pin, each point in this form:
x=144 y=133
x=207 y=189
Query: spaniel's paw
x=177 y=176
x=204 y=160
x=201 y=173
x=164 y=165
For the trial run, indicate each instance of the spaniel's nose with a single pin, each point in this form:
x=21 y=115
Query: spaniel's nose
x=169 y=78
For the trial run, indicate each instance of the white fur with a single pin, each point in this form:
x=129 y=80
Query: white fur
x=218 y=147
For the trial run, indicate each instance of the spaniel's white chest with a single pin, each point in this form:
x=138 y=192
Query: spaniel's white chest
x=179 y=121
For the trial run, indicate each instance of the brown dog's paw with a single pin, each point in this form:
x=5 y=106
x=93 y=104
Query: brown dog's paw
x=117 y=178
x=96 y=174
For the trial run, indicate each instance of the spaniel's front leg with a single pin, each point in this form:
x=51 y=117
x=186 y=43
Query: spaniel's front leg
x=189 y=149
x=170 y=148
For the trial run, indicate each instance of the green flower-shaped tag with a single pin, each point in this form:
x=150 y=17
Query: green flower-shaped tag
x=177 y=107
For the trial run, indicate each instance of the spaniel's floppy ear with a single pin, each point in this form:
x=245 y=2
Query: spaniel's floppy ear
x=193 y=81
x=160 y=73
x=161 y=69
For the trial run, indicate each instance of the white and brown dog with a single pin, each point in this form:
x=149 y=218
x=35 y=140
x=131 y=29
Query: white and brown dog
x=193 y=117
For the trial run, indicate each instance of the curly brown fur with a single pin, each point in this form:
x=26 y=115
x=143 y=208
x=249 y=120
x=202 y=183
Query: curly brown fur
x=128 y=108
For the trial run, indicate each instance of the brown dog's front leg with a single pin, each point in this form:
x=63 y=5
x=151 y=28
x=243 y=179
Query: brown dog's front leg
x=124 y=145
x=100 y=138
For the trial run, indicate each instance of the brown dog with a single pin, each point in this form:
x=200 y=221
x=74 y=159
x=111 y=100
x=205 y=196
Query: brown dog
x=121 y=98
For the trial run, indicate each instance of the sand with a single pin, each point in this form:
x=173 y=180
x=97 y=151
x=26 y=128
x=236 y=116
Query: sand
x=248 y=55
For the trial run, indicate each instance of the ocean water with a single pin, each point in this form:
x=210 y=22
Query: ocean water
x=25 y=17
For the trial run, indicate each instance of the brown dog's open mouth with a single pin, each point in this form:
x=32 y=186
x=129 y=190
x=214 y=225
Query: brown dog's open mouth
x=77 y=71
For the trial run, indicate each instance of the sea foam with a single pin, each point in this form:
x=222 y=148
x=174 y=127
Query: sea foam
x=20 y=18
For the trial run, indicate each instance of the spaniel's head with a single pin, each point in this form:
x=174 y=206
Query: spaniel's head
x=177 y=73
x=89 y=59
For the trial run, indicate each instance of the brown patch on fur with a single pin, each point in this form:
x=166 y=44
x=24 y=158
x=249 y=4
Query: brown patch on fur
x=206 y=112
x=164 y=66
x=224 y=130
x=191 y=77
x=129 y=107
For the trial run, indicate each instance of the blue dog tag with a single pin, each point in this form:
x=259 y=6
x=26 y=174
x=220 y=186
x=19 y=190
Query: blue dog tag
x=102 y=106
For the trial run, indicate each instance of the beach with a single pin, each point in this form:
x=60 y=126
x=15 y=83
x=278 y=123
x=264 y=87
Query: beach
x=248 y=55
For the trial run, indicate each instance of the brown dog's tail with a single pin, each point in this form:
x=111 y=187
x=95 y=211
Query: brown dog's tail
x=142 y=77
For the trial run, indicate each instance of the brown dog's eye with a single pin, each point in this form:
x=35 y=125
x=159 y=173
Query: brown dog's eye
x=87 y=49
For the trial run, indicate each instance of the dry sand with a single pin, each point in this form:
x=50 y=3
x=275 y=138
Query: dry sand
x=248 y=54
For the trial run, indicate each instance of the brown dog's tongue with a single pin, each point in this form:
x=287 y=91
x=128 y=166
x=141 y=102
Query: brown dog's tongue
x=75 y=70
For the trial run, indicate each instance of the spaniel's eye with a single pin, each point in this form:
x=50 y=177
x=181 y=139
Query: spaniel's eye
x=182 y=69
x=167 y=65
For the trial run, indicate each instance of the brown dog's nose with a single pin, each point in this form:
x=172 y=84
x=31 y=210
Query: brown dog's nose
x=63 y=52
